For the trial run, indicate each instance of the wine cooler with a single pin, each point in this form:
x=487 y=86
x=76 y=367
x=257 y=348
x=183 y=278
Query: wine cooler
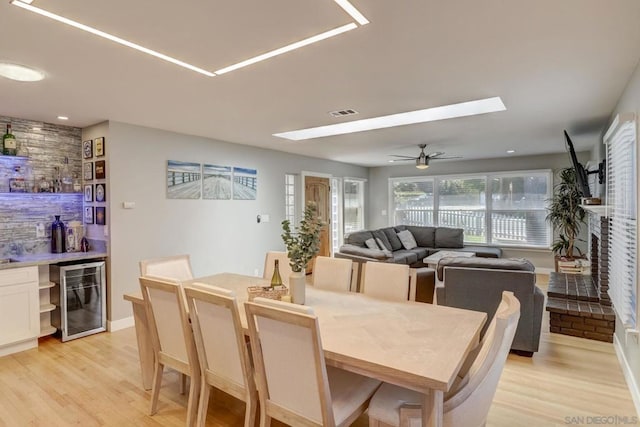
x=80 y=299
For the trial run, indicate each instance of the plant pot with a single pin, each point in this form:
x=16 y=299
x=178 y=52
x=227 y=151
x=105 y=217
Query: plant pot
x=297 y=283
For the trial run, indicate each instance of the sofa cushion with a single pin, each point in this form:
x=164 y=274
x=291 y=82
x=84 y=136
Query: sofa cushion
x=390 y=232
x=381 y=237
x=420 y=252
x=425 y=236
x=382 y=247
x=358 y=238
x=404 y=256
x=408 y=242
x=371 y=244
x=449 y=237
x=519 y=264
x=363 y=252
x=483 y=251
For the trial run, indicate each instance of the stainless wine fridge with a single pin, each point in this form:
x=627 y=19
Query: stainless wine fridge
x=80 y=299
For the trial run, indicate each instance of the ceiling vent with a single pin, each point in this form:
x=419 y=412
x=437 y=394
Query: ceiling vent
x=342 y=113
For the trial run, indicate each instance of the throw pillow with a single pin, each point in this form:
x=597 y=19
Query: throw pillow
x=449 y=237
x=371 y=244
x=384 y=250
x=407 y=240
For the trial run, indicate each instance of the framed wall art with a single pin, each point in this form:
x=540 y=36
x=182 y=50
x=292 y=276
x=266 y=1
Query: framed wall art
x=88 y=193
x=88 y=171
x=87 y=149
x=101 y=193
x=183 y=180
x=101 y=215
x=101 y=169
x=245 y=183
x=216 y=182
x=88 y=215
x=99 y=146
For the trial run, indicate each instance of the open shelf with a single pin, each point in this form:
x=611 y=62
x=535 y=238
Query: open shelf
x=49 y=330
x=47 y=285
x=44 y=308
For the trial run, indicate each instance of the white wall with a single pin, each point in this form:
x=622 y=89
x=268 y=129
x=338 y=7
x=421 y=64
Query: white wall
x=220 y=235
x=630 y=349
x=379 y=187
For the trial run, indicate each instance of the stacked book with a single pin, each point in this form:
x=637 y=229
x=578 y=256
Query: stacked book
x=577 y=266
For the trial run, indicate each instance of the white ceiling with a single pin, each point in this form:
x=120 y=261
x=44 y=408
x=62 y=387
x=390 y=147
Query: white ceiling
x=556 y=64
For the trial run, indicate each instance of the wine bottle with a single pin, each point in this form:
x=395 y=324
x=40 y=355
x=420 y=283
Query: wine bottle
x=10 y=146
x=276 y=280
x=66 y=178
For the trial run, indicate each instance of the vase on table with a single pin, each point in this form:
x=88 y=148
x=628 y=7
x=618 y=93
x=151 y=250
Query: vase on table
x=297 y=281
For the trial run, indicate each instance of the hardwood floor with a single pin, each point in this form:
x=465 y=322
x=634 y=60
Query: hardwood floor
x=95 y=381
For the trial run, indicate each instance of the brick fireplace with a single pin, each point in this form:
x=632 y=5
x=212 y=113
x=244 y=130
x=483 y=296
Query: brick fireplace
x=578 y=304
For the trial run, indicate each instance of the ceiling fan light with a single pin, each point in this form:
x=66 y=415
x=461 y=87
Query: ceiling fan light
x=422 y=162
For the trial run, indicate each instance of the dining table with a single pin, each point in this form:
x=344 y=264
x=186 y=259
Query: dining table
x=415 y=345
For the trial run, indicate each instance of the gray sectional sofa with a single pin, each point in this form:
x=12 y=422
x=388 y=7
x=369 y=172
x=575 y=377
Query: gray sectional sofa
x=385 y=245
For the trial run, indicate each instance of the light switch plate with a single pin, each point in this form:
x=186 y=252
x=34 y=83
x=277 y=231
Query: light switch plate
x=40 y=230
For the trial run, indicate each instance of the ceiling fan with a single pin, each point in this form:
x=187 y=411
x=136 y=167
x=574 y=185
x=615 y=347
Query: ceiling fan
x=422 y=161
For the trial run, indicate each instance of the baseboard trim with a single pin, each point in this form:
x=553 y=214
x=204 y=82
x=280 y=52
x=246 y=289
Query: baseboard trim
x=116 y=325
x=542 y=270
x=628 y=375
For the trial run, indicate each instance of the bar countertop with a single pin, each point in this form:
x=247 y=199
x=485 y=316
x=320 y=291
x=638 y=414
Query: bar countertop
x=48 y=258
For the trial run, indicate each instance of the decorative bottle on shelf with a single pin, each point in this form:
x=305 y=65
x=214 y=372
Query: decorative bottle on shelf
x=276 y=280
x=57 y=236
x=10 y=146
x=66 y=178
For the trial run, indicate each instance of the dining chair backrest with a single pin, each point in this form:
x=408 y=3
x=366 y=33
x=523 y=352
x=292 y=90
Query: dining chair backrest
x=176 y=267
x=472 y=402
x=289 y=362
x=283 y=266
x=221 y=347
x=386 y=280
x=169 y=323
x=333 y=274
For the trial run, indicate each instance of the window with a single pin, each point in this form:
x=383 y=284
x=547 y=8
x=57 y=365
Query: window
x=506 y=208
x=336 y=218
x=621 y=204
x=353 y=205
x=290 y=197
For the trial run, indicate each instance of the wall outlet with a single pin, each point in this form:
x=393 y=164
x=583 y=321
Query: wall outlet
x=40 y=230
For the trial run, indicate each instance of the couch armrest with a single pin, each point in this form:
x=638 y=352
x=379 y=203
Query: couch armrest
x=538 y=310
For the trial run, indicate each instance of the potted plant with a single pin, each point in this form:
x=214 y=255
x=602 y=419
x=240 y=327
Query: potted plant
x=302 y=245
x=566 y=216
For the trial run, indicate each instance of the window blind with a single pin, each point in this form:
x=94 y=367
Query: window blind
x=622 y=208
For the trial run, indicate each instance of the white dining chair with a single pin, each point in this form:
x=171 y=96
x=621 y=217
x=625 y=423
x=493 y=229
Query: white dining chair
x=222 y=350
x=386 y=280
x=333 y=274
x=294 y=384
x=283 y=266
x=176 y=267
x=469 y=400
x=171 y=337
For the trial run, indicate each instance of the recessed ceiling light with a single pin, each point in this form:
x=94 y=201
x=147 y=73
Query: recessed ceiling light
x=63 y=118
x=511 y=151
x=116 y=39
x=289 y=48
x=20 y=73
x=470 y=108
x=351 y=10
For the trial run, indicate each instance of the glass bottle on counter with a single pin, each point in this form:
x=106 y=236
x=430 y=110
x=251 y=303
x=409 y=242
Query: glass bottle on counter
x=57 y=236
x=276 y=280
x=10 y=146
x=66 y=178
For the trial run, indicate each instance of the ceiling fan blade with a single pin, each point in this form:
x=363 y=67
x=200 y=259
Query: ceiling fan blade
x=403 y=157
x=435 y=154
x=445 y=158
x=401 y=160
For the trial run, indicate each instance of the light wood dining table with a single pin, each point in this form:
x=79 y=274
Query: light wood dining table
x=411 y=344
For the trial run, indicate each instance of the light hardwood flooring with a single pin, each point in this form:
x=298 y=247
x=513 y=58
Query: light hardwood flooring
x=95 y=381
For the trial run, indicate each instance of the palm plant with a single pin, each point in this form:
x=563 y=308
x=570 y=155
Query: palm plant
x=565 y=214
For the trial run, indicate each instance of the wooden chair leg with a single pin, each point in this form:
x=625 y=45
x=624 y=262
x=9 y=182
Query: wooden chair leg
x=155 y=388
x=183 y=383
x=192 y=405
x=265 y=420
x=251 y=409
x=203 y=405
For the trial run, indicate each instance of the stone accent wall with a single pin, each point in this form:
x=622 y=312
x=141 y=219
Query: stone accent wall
x=47 y=145
x=599 y=252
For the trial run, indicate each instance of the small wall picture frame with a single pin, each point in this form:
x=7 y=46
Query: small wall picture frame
x=99 y=146
x=101 y=215
x=88 y=171
x=88 y=193
x=87 y=149
x=88 y=215
x=101 y=193
x=101 y=169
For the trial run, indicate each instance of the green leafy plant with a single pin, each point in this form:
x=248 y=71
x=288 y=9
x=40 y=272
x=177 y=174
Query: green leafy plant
x=565 y=214
x=304 y=243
